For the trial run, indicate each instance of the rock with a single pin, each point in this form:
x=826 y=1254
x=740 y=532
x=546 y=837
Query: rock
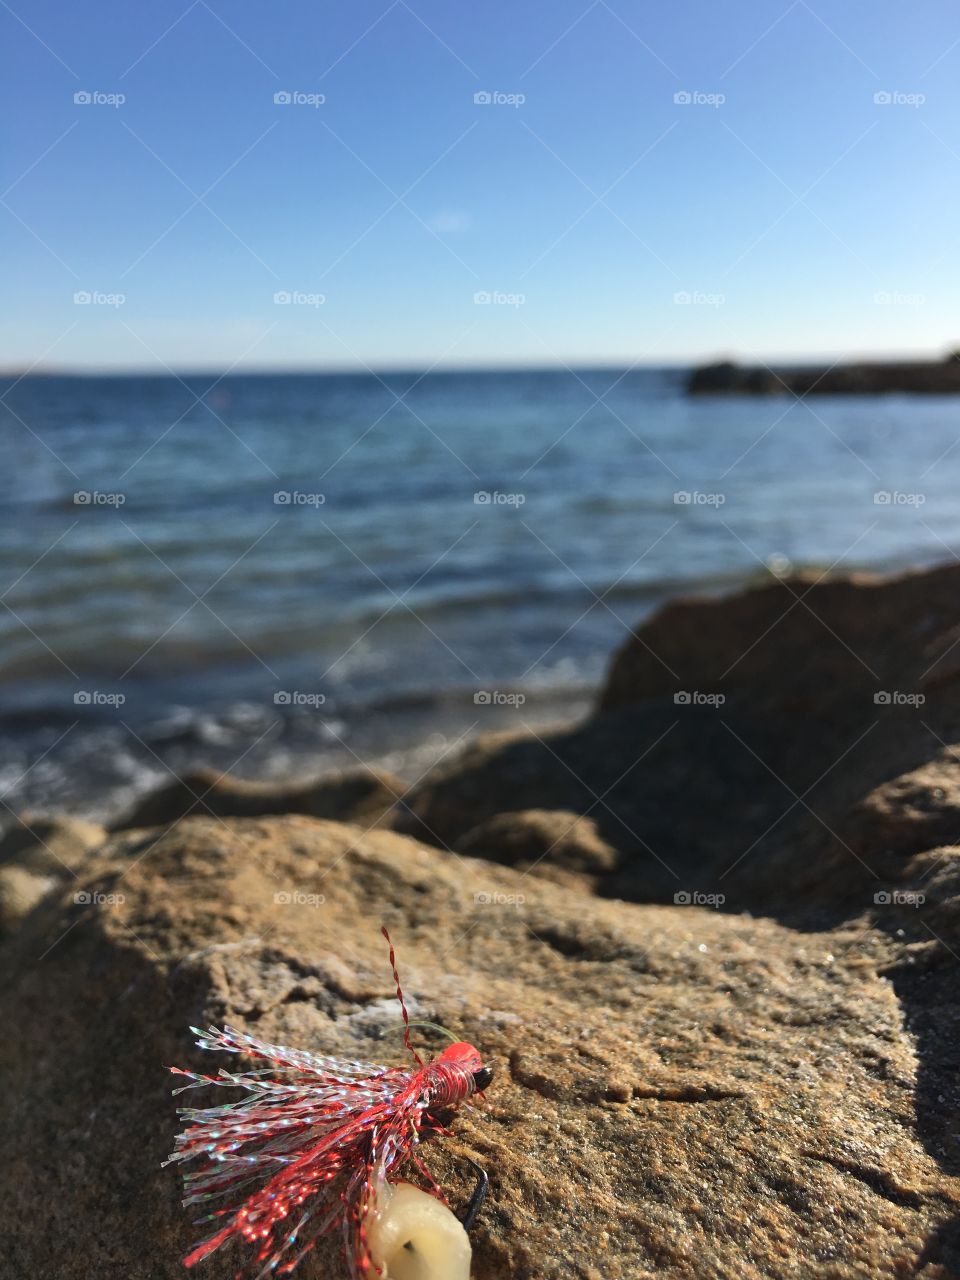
x=555 y=843
x=929 y=377
x=50 y=844
x=365 y=796
x=917 y=810
x=679 y=1092
x=20 y=891
x=739 y=750
x=37 y=853
x=805 y=644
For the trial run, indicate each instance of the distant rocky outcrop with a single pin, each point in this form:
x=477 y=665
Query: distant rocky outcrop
x=920 y=377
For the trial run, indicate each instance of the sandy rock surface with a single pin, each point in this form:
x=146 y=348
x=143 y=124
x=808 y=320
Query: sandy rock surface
x=678 y=1091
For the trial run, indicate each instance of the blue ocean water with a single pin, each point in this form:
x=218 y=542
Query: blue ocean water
x=277 y=573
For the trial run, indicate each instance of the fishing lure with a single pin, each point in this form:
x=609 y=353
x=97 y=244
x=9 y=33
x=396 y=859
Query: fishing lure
x=313 y=1143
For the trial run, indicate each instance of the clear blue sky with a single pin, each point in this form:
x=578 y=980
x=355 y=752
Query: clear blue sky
x=802 y=216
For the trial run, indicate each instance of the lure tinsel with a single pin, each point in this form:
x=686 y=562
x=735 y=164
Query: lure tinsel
x=305 y=1153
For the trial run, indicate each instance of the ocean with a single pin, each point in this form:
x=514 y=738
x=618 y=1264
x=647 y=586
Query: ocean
x=280 y=574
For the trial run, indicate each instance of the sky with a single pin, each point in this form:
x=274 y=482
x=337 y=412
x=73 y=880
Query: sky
x=431 y=183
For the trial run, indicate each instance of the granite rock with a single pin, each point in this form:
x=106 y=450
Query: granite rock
x=679 y=1092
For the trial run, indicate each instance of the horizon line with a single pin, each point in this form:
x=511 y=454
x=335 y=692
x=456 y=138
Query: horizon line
x=481 y=367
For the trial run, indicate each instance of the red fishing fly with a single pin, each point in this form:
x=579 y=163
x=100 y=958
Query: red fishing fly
x=316 y=1138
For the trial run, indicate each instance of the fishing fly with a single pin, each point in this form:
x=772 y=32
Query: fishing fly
x=314 y=1143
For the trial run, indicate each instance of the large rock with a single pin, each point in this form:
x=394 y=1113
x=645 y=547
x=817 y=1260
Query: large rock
x=679 y=1092
x=808 y=644
x=792 y=736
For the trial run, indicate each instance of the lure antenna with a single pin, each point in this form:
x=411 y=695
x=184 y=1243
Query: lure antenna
x=434 y=1026
x=403 y=1007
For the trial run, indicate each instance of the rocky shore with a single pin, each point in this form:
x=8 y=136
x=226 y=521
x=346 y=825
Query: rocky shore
x=709 y=938
x=918 y=377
